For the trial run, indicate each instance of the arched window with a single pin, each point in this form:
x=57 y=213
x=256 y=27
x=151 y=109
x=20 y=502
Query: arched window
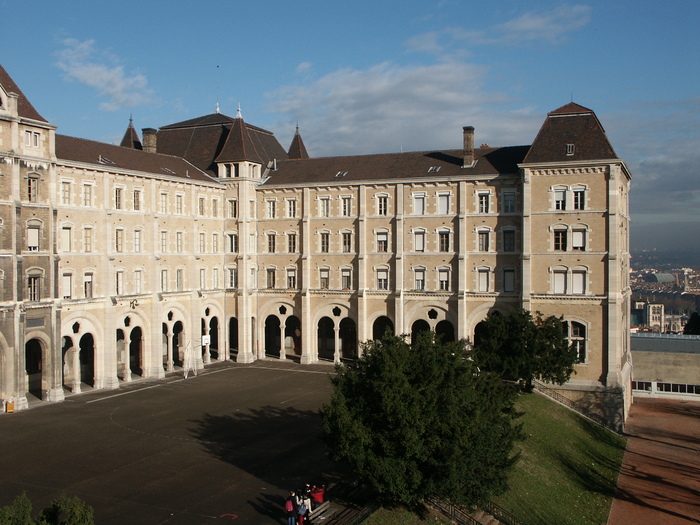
x=577 y=337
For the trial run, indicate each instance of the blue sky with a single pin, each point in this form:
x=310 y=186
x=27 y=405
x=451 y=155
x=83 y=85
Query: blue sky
x=381 y=76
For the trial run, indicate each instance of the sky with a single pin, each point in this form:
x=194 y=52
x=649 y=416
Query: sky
x=383 y=76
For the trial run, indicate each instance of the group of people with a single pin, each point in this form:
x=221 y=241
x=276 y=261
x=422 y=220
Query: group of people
x=301 y=503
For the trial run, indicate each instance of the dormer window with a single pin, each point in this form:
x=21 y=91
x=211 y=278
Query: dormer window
x=570 y=149
x=433 y=169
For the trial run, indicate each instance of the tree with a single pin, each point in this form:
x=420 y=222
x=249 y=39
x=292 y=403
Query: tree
x=63 y=510
x=415 y=421
x=520 y=346
x=692 y=327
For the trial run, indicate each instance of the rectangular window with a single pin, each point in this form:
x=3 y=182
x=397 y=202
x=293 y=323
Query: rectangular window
x=118 y=198
x=163 y=242
x=382 y=279
x=292 y=242
x=579 y=199
x=271 y=277
x=202 y=242
x=508 y=280
x=444 y=241
x=382 y=242
x=214 y=207
x=119 y=283
x=347 y=206
x=65 y=193
x=178 y=242
x=179 y=280
x=164 y=203
x=178 y=204
x=325 y=242
x=252 y=205
x=419 y=241
x=578 y=282
x=444 y=204
x=325 y=205
x=483 y=280
x=33 y=239
x=419 y=205
x=483 y=241
x=66 y=239
x=87 y=286
x=232 y=278
x=233 y=243
x=137 y=281
x=444 y=280
x=202 y=279
x=325 y=278
x=87 y=195
x=508 y=240
x=137 y=200
x=214 y=243
x=560 y=238
x=383 y=205
x=578 y=240
x=484 y=201
x=559 y=282
x=508 y=202
x=119 y=241
x=271 y=242
x=271 y=209
x=200 y=207
x=252 y=278
x=33 y=290
x=232 y=209
x=87 y=240
x=67 y=286
x=420 y=279
x=251 y=243
x=559 y=199
x=347 y=242
x=291 y=208
x=291 y=278
x=32 y=189
x=570 y=148
x=346 y=278
x=137 y=241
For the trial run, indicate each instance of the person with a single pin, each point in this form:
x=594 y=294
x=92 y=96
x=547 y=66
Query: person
x=317 y=495
x=290 y=508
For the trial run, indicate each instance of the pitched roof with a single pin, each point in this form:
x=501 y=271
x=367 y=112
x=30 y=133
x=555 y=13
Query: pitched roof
x=239 y=145
x=131 y=138
x=297 y=150
x=421 y=164
x=108 y=156
x=24 y=107
x=575 y=125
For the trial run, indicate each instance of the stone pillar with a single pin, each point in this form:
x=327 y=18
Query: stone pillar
x=283 y=351
x=169 y=349
x=336 y=353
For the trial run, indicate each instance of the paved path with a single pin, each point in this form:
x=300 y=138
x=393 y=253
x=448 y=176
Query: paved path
x=660 y=478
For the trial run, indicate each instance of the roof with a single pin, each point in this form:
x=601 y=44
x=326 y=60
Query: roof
x=297 y=150
x=131 y=138
x=442 y=164
x=24 y=107
x=205 y=140
x=570 y=124
x=108 y=156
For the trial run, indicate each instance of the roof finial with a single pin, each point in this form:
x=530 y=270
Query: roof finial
x=131 y=120
x=238 y=113
x=217 y=108
x=297 y=129
x=217 y=90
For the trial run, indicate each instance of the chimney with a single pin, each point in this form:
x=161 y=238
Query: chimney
x=149 y=140
x=468 y=146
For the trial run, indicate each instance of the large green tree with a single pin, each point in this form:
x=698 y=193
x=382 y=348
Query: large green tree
x=692 y=327
x=519 y=346
x=419 y=420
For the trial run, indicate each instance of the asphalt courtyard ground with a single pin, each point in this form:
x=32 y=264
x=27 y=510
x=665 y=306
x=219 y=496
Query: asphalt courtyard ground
x=225 y=446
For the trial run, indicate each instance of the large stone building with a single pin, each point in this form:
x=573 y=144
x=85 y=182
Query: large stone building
x=207 y=240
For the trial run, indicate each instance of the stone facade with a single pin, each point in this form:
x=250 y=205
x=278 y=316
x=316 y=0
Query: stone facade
x=212 y=242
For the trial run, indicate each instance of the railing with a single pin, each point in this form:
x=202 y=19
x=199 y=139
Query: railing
x=502 y=515
x=454 y=513
x=573 y=405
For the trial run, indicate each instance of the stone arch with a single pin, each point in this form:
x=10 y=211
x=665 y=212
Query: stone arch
x=445 y=331
x=272 y=335
x=419 y=326
x=380 y=326
x=34 y=364
x=86 y=359
x=348 y=338
x=325 y=329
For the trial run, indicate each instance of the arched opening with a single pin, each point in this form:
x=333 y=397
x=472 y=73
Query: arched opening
x=66 y=371
x=233 y=336
x=272 y=336
x=292 y=335
x=381 y=326
x=326 y=338
x=33 y=366
x=121 y=353
x=479 y=332
x=135 y=348
x=417 y=328
x=445 y=331
x=214 y=337
x=202 y=332
x=177 y=343
x=87 y=360
x=348 y=339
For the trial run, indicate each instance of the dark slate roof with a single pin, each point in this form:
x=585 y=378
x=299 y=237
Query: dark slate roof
x=131 y=138
x=297 y=150
x=570 y=124
x=108 y=156
x=24 y=107
x=341 y=170
x=205 y=140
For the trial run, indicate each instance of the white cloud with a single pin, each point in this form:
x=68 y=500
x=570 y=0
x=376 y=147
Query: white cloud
x=82 y=62
x=303 y=68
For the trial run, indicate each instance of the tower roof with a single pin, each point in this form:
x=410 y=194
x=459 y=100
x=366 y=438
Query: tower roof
x=131 y=137
x=297 y=150
x=24 y=107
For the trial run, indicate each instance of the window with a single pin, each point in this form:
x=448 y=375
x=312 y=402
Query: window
x=202 y=242
x=325 y=242
x=65 y=193
x=87 y=195
x=483 y=279
x=559 y=277
x=579 y=199
x=578 y=240
x=32 y=189
x=67 y=285
x=508 y=202
x=252 y=205
x=382 y=242
x=179 y=280
x=138 y=274
x=202 y=279
x=33 y=288
x=577 y=338
x=233 y=242
x=119 y=283
x=483 y=241
x=419 y=240
x=347 y=242
x=292 y=242
x=578 y=282
x=346 y=278
x=271 y=242
x=325 y=205
x=119 y=241
x=33 y=239
x=87 y=286
x=560 y=199
x=291 y=278
x=118 y=198
x=292 y=208
x=214 y=207
x=419 y=204
x=233 y=278
x=444 y=241
x=31 y=139
x=271 y=209
x=178 y=242
x=419 y=275
x=251 y=243
x=444 y=280
x=271 y=277
x=382 y=205
x=508 y=280
x=137 y=241
x=164 y=242
x=484 y=199
x=346 y=204
x=382 y=279
x=200 y=208
x=444 y=203
x=508 y=240
x=87 y=240
x=232 y=209
x=163 y=203
x=178 y=204
x=325 y=278
x=66 y=239
x=560 y=240
x=570 y=148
